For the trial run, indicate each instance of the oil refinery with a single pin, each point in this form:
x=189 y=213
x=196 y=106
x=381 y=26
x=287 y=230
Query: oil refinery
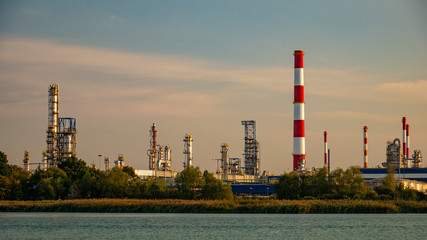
x=244 y=174
x=398 y=157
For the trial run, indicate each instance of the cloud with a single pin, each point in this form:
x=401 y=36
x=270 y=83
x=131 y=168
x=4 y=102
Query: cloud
x=45 y=53
x=114 y=18
x=170 y=84
x=352 y=115
x=411 y=92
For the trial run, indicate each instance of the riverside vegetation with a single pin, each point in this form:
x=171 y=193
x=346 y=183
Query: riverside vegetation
x=73 y=179
x=87 y=189
x=215 y=206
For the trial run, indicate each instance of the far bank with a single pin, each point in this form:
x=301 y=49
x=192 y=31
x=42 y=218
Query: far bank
x=215 y=206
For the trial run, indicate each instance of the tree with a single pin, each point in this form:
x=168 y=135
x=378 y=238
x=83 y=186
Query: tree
x=321 y=184
x=156 y=189
x=189 y=182
x=73 y=167
x=42 y=182
x=115 y=183
x=14 y=186
x=4 y=167
x=45 y=190
x=289 y=186
x=130 y=171
x=214 y=188
x=388 y=188
x=89 y=185
x=354 y=179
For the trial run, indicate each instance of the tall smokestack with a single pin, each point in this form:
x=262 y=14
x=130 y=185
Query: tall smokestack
x=407 y=141
x=404 y=136
x=365 y=147
x=325 y=147
x=299 y=126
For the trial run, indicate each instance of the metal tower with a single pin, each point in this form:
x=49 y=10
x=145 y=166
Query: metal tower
x=252 y=160
x=26 y=161
x=107 y=163
x=52 y=128
x=152 y=152
x=120 y=162
x=224 y=161
x=67 y=138
x=188 y=150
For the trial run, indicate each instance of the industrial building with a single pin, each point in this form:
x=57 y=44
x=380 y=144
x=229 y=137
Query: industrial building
x=61 y=137
x=243 y=174
x=406 y=166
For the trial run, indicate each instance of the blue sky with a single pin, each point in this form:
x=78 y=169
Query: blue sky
x=201 y=67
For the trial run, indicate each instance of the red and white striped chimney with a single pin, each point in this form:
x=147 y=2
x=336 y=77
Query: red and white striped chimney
x=325 y=148
x=404 y=136
x=365 y=147
x=299 y=126
x=407 y=141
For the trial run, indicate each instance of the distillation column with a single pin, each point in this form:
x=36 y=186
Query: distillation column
x=52 y=129
x=152 y=152
x=107 y=163
x=325 y=148
x=188 y=151
x=224 y=160
x=299 y=124
x=45 y=161
x=26 y=161
x=365 y=147
x=404 y=136
x=407 y=141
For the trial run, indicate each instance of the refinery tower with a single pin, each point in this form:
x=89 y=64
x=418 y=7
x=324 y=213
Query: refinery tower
x=61 y=132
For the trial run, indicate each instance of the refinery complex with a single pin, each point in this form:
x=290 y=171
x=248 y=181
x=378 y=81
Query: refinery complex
x=244 y=175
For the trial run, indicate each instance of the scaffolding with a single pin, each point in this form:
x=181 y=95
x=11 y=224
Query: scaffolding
x=251 y=152
x=67 y=138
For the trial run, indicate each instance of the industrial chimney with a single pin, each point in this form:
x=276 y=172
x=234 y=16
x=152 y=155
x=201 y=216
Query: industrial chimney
x=299 y=126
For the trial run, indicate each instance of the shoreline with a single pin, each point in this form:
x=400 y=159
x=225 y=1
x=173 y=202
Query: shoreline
x=215 y=206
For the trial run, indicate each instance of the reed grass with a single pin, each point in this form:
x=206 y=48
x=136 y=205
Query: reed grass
x=215 y=206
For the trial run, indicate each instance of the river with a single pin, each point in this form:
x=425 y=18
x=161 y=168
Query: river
x=211 y=226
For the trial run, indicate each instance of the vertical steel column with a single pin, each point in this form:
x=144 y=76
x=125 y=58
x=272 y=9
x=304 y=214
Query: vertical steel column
x=404 y=136
x=407 y=141
x=325 y=148
x=365 y=147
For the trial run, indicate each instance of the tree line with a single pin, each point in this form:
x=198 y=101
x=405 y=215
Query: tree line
x=341 y=184
x=74 y=179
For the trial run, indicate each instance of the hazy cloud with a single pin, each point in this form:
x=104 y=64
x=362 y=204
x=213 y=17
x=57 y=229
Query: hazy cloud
x=114 y=18
x=112 y=92
x=410 y=92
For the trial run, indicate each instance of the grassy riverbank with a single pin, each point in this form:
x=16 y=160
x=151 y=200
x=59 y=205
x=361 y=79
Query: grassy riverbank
x=215 y=206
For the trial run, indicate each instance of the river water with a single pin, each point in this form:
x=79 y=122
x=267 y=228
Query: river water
x=211 y=226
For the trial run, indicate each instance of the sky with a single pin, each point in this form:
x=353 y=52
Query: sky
x=202 y=67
